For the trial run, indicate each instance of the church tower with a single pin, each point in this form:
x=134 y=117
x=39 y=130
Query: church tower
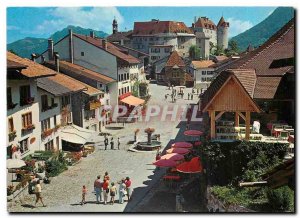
x=115 y=26
x=222 y=33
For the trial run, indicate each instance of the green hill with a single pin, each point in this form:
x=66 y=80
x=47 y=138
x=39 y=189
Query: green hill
x=261 y=32
x=25 y=47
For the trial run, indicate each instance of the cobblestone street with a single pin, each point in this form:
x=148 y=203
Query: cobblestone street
x=63 y=194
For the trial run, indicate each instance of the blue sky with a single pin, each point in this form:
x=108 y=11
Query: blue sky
x=41 y=22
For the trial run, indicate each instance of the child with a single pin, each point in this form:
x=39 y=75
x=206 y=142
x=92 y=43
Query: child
x=84 y=192
x=113 y=192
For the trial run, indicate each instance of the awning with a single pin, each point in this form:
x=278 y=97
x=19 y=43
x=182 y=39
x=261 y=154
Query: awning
x=131 y=100
x=76 y=134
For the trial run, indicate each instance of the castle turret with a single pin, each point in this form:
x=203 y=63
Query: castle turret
x=222 y=33
x=115 y=26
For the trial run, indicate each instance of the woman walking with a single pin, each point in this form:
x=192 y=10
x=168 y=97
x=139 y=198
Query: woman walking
x=84 y=192
x=105 y=187
x=113 y=192
x=122 y=191
x=38 y=193
x=128 y=188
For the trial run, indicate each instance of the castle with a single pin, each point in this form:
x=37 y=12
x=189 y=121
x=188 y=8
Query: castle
x=209 y=36
x=159 y=38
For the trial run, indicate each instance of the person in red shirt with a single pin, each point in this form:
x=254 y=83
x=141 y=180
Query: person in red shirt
x=105 y=187
x=128 y=188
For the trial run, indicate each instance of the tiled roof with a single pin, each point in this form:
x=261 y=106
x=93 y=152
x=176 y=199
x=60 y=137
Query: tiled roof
x=206 y=23
x=119 y=36
x=60 y=84
x=222 y=22
x=15 y=65
x=156 y=27
x=280 y=46
x=111 y=48
x=266 y=87
x=32 y=70
x=246 y=77
x=175 y=59
x=202 y=64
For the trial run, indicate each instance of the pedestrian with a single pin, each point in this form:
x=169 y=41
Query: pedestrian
x=105 y=190
x=112 y=143
x=105 y=142
x=122 y=191
x=84 y=192
x=166 y=96
x=188 y=96
x=118 y=143
x=106 y=176
x=192 y=96
x=98 y=189
x=128 y=188
x=113 y=192
x=38 y=193
x=197 y=91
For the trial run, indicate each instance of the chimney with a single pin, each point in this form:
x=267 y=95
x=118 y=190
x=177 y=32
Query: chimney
x=56 y=58
x=50 y=49
x=92 y=34
x=104 y=44
x=33 y=57
x=71 y=50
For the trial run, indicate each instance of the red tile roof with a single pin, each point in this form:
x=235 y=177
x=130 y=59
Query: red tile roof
x=119 y=36
x=222 y=22
x=111 y=48
x=156 y=27
x=202 y=64
x=32 y=70
x=175 y=59
x=204 y=22
x=266 y=87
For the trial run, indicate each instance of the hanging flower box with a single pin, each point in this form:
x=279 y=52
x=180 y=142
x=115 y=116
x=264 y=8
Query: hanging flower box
x=47 y=132
x=12 y=135
x=11 y=106
x=26 y=101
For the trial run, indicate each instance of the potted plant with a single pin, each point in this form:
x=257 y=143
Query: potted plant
x=10 y=190
x=149 y=132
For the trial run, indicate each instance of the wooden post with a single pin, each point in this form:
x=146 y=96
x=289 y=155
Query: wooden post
x=247 y=125
x=212 y=124
x=237 y=119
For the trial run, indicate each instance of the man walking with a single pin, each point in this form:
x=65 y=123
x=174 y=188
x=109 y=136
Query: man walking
x=98 y=189
x=118 y=143
x=105 y=142
x=38 y=193
x=112 y=143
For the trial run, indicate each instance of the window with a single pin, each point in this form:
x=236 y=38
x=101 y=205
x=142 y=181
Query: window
x=204 y=72
x=55 y=122
x=9 y=97
x=24 y=94
x=44 y=102
x=65 y=100
x=24 y=145
x=203 y=79
x=127 y=76
x=26 y=119
x=167 y=50
x=45 y=124
x=210 y=72
x=175 y=74
x=52 y=101
x=119 y=77
x=49 y=146
x=82 y=53
x=11 y=125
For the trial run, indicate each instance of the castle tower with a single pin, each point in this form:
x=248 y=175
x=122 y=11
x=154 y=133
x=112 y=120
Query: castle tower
x=222 y=33
x=115 y=26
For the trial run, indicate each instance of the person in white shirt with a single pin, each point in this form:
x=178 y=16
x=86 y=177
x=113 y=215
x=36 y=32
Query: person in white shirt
x=256 y=126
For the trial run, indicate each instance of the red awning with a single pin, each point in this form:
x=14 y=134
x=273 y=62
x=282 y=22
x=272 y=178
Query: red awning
x=165 y=163
x=182 y=145
x=193 y=166
x=172 y=156
x=134 y=101
x=178 y=150
x=193 y=133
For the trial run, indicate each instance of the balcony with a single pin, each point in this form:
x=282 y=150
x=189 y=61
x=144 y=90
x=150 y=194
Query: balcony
x=49 y=107
x=94 y=104
x=11 y=105
x=47 y=132
x=26 y=101
x=12 y=135
x=27 y=129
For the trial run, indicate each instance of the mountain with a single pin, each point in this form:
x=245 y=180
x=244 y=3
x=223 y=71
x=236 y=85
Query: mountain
x=261 y=32
x=25 y=47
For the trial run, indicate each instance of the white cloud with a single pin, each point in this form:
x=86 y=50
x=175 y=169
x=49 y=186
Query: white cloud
x=98 y=18
x=238 y=26
x=10 y=27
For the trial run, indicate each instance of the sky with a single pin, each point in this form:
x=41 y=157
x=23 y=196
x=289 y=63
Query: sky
x=41 y=22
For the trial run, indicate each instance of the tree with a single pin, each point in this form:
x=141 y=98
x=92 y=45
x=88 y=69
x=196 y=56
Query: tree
x=219 y=50
x=149 y=132
x=233 y=46
x=194 y=52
